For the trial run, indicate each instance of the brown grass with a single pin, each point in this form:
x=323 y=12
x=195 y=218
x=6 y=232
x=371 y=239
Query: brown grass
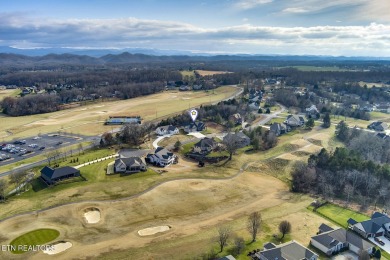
x=89 y=119
x=210 y=72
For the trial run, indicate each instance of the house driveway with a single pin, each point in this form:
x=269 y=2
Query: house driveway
x=155 y=143
x=386 y=247
x=348 y=255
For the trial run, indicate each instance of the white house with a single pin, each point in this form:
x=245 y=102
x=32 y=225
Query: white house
x=167 y=130
x=294 y=120
x=161 y=157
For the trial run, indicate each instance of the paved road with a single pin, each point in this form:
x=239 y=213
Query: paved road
x=268 y=117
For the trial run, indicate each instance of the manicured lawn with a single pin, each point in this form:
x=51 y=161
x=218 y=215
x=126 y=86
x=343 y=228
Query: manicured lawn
x=35 y=237
x=340 y=215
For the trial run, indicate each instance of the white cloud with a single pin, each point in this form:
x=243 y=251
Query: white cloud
x=248 y=4
x=21 y=31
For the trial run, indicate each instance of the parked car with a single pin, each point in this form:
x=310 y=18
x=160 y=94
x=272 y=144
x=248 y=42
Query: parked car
x=377 y=239
x=59 y=143
x=37 y=137
x=41 y=148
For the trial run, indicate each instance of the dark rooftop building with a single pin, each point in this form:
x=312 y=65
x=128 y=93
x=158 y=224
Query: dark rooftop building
x=288 y=251
x=51 y=176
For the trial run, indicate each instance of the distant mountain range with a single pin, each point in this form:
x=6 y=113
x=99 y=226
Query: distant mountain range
x=24 y=57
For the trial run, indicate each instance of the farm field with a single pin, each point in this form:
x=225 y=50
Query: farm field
x=88 y=120
x=8 y=93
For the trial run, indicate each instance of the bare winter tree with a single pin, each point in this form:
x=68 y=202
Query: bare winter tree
x=253 y=224
x=231 y=142
x=284 y=228
x=17 y=178
x=224 y=234
x=3 y=188
x=348 y=191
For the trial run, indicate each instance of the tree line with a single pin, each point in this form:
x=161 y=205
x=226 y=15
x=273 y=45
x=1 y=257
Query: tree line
x=358 y=172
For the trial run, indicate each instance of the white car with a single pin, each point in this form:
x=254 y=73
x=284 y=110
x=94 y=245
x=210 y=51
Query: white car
x=37 y=137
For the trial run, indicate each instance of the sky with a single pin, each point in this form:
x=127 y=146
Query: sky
x=285 y=27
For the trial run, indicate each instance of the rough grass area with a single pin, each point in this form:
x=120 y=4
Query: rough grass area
x=278 y=167
x=89 y=119
x=33 y=238
x=340 y=215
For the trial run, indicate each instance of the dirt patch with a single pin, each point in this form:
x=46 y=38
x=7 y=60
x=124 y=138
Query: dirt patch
x=92 y=215
x=153 y=230
x=58 y=248
x=300 y=142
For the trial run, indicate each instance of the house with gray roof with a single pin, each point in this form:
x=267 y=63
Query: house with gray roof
x=334 y=241
x=288 y=251
x=205 y=146
x=167 y=130
x=294 y=120
x=279 y=128
x=378 y=225
x=241 y=139
x=378 y=126
x=129 y=165
x=161 y=157
x=196 y=126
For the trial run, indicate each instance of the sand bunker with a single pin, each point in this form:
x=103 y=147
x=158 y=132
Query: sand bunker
x=92 y=215
x=58 y=248
x=153 y=230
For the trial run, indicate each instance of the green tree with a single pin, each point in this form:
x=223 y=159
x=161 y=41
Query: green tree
x=326 y=123
x=310 y=123
x=284 y=228
x=268 y=111
x=260 y=111
x=342 y=131
x=177 y=145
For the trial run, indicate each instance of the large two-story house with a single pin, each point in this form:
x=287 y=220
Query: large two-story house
x=167 y=130
x=161 y=157
x=205 y=146
x=294 y=120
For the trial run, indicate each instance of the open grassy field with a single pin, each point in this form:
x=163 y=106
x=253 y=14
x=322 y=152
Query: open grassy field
x=210 y=72
x=89 y=119
x=188 y=73
x=34 y=238
x=340 y=215
x=8 y=93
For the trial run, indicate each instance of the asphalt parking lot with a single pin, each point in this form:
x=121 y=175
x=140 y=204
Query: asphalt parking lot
x=20 y=149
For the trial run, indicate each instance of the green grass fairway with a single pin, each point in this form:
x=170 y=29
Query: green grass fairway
x=35 y=237
x=340 y=215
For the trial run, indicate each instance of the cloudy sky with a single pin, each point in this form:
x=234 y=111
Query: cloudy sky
x=298 y=27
